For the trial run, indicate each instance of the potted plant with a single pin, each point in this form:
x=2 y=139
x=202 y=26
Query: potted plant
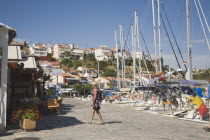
x=26 y=113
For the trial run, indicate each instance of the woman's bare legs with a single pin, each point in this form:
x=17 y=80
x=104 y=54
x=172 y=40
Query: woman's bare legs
x=100 y=117
x=92 y=115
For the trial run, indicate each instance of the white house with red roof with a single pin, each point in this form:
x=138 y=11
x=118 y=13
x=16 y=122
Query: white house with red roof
x=89 y=50
x=74 y=46
x=79 y=53
x=103 y=53
x=60 y=50
x=38 y=50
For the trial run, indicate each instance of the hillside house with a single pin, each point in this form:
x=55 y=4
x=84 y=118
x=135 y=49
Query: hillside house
x=38 y=50
x=103 y=54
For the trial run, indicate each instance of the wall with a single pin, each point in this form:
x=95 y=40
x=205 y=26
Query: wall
x=56 y=51
x=3 y=80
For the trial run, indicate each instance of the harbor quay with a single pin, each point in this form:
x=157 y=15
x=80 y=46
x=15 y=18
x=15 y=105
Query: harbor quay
x=120 y=123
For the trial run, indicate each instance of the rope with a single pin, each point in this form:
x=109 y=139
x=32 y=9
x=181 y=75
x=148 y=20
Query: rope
x=207 y=41
x=170 y=41
x=173 y=36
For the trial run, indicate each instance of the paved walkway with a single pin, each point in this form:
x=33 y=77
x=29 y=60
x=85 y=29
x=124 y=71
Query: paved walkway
x=121 y=123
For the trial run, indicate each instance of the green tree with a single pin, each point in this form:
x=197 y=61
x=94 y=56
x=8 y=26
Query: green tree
x=66 y=61
x=83 y=89
x=109 y=72
x=150 y=65
x=85 y=56
x=77 y=63
x=69 y=65
x=49 y=54
x=67 y=54
x=205 y=75
x=129 y=62
x=88 y=65
x=103 y=64
x=91 y=57
x=53 y=59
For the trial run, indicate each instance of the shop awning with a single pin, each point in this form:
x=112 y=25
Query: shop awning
x=30 y=63
x=14 y=53
x=14 y=65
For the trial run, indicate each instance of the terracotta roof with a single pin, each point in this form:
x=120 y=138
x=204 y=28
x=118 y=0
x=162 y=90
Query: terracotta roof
x=111 y=78
x=74 y=75
x=41 y=47
x=73 y=71
x=62 y=45
x=103 y=77
x=127 y=52
x=65 y=68
x=90 y=48
x=65 y=74
x=44 y=58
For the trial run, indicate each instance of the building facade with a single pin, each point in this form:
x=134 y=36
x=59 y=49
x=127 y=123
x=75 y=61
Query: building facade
x=38 y=50
x=6 y=35
x=103 y=54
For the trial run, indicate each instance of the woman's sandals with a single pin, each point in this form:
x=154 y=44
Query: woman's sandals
x=100 y=123
x=207 y=128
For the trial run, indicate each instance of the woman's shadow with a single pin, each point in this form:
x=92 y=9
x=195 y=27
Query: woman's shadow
x=112 y=122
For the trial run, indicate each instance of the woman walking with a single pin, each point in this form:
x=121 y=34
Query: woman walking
x=96 y=103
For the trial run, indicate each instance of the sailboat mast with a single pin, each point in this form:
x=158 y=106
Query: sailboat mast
x=118 y=72
x=154 y=30
x=189 y=76
x=160 y=50
x=122 y=54
x=140 y=51
x=134 y=50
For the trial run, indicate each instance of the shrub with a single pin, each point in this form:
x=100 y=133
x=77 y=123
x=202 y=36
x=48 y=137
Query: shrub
x=26 y=110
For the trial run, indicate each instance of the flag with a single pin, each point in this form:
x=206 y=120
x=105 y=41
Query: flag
x=202 y=109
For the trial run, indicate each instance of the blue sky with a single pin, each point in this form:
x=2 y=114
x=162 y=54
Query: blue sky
x=91 y=23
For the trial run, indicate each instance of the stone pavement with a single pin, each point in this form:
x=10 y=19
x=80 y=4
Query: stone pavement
x=121 y=123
